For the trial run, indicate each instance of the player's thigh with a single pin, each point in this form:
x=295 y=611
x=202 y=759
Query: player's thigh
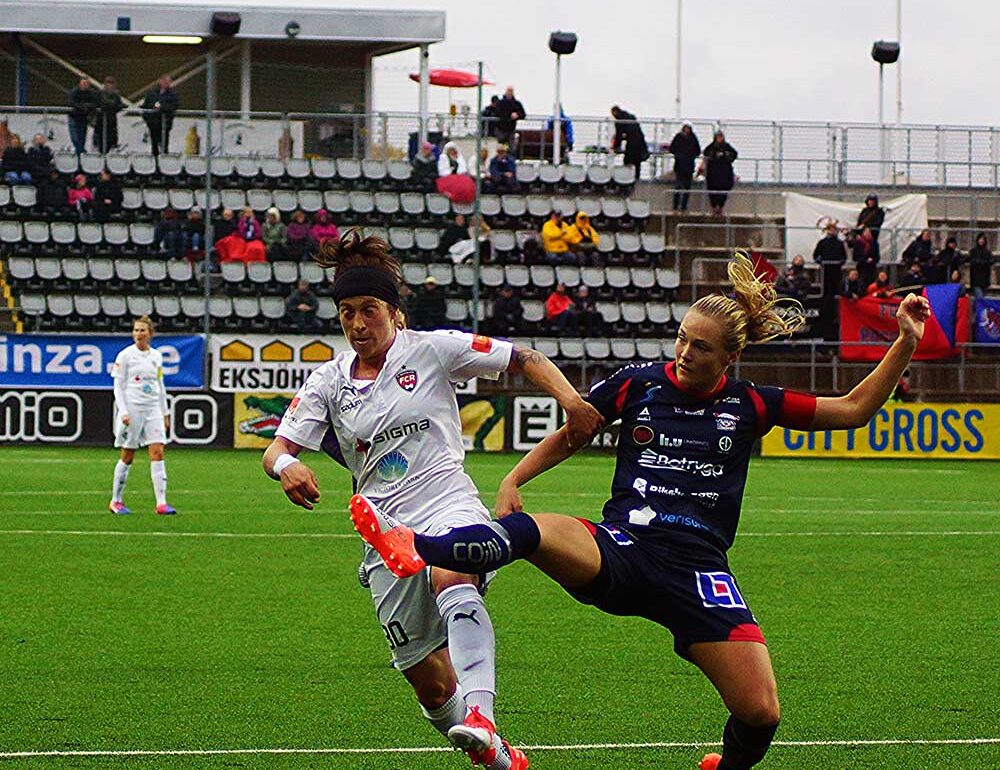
x=742 y=673
x=567 y=551
x=407 y=612
x=153 y=430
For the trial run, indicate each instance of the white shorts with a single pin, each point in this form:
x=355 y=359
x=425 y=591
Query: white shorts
x=407 y=609
x=145 y=427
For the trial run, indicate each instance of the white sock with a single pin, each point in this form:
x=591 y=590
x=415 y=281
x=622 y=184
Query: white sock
x=448 y=714
x=158 y=470
x=121 y=476
x=502 y=759
x=471 y=644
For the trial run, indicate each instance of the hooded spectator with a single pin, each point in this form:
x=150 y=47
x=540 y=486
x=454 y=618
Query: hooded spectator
x=980 y=266
x=560 y=310
x=719 y=174
x=583 y=239
x=297 y=236
x=425 y=169
x=685 y=148
x=451 y=161
x=555 y=241
x=629 y=132
x=872 y=216
x=275 y=234
x=322 y=229
x=81 y=197
x=591 y=322
x=194 y=231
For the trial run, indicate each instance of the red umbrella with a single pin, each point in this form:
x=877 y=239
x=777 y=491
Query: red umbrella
x=452 y=78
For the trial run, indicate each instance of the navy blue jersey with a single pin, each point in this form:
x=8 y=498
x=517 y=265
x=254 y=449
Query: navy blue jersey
x=683 y=456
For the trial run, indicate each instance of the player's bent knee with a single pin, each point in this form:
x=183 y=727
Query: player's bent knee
x=442 y=579
x=764 y=710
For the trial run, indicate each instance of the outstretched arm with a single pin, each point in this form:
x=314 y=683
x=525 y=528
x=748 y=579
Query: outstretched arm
x=855 y=409
x=552 y=450
x=582 y=419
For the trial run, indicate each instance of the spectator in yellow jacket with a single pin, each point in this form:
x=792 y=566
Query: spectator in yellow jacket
x=555 y=240
x=583 y=239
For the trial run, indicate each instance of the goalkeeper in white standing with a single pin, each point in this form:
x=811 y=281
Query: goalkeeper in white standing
x=142 y=418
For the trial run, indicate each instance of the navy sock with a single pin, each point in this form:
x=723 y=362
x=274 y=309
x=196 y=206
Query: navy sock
x=744 y=745
x=481 y=547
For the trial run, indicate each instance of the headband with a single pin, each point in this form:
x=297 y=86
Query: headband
x=363 y=281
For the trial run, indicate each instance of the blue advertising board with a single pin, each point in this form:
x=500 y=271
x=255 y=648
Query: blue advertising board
x=83 y=361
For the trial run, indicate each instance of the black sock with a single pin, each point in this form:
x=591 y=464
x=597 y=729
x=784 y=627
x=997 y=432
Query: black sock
x=481 y=547
x=743 y=745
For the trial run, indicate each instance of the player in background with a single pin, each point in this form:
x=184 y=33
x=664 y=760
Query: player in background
x=684 y=447
x=142 y=419
x=391 y=402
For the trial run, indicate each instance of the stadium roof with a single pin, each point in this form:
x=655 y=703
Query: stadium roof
x=347 y=25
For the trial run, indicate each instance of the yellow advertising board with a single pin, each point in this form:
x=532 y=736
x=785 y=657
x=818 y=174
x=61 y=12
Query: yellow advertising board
x=906 y=431
x=256 y=417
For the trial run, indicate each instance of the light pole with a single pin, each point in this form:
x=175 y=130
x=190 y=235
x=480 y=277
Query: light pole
x=884 y=52
x=559 y=43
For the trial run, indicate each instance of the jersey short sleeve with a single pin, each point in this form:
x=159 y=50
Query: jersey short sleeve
x=608 y=396
x=307 y=417
x=120 y=365
x=785 y=408
x=471 y=355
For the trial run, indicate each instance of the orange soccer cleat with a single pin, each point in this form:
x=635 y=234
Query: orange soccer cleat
x=475 y=737
x=710 y=762
x=392 y=540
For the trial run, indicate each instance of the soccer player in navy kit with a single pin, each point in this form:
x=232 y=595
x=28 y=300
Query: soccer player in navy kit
x=660 y=551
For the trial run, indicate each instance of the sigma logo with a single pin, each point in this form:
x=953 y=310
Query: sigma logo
x=651 y=459
x=726 y=421
x=725 y=444
x=642 y=434
x=46 y=416
x=399 y=431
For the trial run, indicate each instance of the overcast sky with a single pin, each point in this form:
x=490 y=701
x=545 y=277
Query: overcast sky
x=753 y=59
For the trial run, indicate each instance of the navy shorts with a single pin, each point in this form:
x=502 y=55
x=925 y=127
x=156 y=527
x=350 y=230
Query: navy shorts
x=687 y=590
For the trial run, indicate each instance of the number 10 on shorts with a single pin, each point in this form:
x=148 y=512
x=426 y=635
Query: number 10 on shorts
x=718 y=589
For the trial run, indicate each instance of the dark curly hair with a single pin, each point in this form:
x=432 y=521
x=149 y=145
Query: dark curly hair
x=355 y=250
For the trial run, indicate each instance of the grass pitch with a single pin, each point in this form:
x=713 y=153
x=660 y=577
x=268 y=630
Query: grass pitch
x=239 y=624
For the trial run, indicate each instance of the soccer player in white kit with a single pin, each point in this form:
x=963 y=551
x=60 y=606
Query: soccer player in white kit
x=391 y=403
x=142 y=419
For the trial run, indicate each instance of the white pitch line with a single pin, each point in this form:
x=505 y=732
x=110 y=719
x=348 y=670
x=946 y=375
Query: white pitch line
x=541 y=747
x=342 y=536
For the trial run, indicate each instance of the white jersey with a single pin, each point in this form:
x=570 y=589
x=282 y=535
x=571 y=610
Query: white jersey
x=138 y=377
x=400 y=434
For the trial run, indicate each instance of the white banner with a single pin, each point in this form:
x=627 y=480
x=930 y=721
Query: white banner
x=807 y=217
x=262 y=363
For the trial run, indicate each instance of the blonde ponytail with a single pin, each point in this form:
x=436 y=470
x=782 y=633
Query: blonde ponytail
x=754 y=313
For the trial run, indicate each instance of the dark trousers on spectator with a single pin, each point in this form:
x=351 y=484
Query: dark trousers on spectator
x=682 y=189
x=304 y=321
x=591 y=323
x=718 y=198
x=78 y=134
x=567 y=321
x=159 y=134
x=105 y=133
x=831 y=278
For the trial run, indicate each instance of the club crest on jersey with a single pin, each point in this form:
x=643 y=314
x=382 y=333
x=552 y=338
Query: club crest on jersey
x=718 y=589
x=482 y=344
x=293 y=406
x=725 y=443
x=726 y=421
x=406 y=379
x=642 y=434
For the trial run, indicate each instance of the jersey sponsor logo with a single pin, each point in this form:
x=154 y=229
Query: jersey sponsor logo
x=647 y=397
x=392 y=467
x=718 y=589
x=350 y=405
x=642 y=434
x=730 y=400
x=644 y=415
x=673 y=441
x=726 y=421
x=651 y=459
x=406 y=379
x=725 y=443
x=293 y=406
x=399 y=431
x=361 y=446
x=482 y=344
x=689 y=412
x=642 y=486
x=641 y=516
x=616 y=534
x=708 y=499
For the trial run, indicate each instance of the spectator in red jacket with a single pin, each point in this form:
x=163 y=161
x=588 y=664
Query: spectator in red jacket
x=881 y=287
x=81 y=197
x=246 y=243
x=560 y=311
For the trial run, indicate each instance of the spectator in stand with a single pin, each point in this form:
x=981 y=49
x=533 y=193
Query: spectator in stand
x=583 y=239
x=159 y=107
x=555 y=240
x=53 y=195
x=864 y=255
x=628 y=130
x=169 y=234
x=15 y=163
x=451 y=162
x=503 y=172
x=425 y=169
x=718 y=169
x=913 y=279
x=936 y=267
x=39 y=158
x=851 y=287
x=508 y=111
x=831 y=253
x=109 y=104
x=193 y=232
x=297 y=236
x=429 y=309
x=590 y=320
x=685 y=148
x=108 y=197
x=483 y=165
x=225 y=225
x=82 y=111
x=794 y=283
x=919 y=250
x=81 y=197
x=489 y=116
x=275 y=235
x=980 y=266
x=560 y=311
x=507 y=312
x=322 y=229
x=456 y=231
x=881 y=287
x=245 y=243
x=951 y=256
x=301 y=307
x=872 y=216
x=566 y=129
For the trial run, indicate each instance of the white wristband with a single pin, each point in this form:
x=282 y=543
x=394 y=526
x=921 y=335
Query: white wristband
x=283 y=462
